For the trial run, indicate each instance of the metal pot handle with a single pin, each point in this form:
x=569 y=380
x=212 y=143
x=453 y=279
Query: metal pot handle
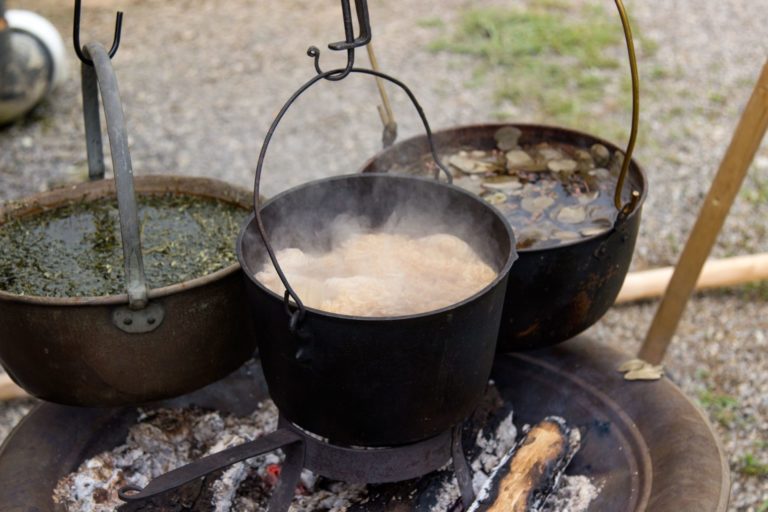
x=337 y=74
x=626 y=209
x=98 y=75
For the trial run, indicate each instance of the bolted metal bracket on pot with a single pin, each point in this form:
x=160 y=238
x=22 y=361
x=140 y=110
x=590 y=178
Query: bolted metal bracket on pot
x=138 y=321
x=98 y=76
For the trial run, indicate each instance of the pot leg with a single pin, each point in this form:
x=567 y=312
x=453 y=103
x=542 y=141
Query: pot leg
x=172 y=480
x=283 y=493
x=461 y=469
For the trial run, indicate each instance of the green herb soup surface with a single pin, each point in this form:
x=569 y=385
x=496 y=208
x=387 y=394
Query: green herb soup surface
x=76 y=250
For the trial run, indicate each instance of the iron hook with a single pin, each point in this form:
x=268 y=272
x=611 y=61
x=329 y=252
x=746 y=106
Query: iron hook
x=76 y=34
x=364 y=22
x=351 y=42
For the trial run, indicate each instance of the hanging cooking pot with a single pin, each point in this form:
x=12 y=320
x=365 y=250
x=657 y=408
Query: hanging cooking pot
x=554 y=292
x=145 y=345
x=372 y=381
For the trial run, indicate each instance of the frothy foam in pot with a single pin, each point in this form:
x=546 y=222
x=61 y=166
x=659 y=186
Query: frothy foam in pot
x=378 y=274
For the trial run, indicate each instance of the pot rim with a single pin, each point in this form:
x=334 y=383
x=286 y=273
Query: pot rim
x=240 y=197
x=634 y=165
x=502 y=273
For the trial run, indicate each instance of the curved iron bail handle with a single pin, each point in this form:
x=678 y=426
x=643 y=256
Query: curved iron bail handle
x=100 y=76
x=626 y=209
x=297 y=316
x=76 y=34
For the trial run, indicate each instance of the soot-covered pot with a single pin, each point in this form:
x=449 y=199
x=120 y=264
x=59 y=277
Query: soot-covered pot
x=366 y=380
x=554 y=293
x=373 y=381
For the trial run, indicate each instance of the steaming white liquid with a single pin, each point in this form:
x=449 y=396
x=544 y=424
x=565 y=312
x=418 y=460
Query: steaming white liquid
x=382 y=274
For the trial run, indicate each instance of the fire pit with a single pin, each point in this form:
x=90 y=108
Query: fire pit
x=387 y=402
x=647 y=445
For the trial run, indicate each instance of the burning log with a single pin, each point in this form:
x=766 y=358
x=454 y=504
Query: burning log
x=531 y=470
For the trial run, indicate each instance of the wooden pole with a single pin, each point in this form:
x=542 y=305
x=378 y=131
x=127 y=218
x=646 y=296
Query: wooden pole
x=385 y=109
x=744 y=144
x=647 y=284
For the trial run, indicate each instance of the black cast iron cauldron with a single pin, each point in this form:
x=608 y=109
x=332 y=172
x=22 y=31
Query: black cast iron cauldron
x=373 y=381
x=377 y=381
x=553 y=293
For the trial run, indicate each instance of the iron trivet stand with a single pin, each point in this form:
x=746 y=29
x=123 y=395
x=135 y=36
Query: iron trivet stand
x=305 y=451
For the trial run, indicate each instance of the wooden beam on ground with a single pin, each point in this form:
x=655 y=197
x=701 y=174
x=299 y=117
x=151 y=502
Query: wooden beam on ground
x=648 y=284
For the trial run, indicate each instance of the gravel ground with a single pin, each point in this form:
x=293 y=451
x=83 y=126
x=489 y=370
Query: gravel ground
x=201 y=81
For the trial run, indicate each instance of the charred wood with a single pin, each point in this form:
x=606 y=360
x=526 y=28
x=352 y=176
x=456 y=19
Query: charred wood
x=531 y=470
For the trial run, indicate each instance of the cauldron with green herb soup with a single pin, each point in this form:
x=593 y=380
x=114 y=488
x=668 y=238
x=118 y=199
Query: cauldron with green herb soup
x=62 y=290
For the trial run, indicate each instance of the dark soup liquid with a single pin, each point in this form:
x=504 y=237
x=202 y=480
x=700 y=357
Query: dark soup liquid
x=551 y=193
x=75 y=250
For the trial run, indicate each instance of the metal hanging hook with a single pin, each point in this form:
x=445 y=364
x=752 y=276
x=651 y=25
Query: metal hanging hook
x=364 y=25
x=76 y=35
x=351 y=42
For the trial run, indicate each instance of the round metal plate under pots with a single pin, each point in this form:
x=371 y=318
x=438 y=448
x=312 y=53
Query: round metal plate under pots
x=644 y=443
x=647 y=445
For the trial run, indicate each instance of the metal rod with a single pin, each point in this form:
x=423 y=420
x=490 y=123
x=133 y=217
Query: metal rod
x=461 y=469
x=635 y=106
x=208 y=464
x=6 y=57
x=76 y=34
x=733 y=169
x=290 y=474
x=363 y=20
x=93 y=142
x=136 y=282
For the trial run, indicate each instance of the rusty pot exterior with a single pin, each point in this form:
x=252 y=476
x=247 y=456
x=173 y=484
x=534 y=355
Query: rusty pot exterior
x=69 y=351
x=553 y=293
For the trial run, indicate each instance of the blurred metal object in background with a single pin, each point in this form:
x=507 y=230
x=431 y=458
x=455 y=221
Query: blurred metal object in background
x=32 y=61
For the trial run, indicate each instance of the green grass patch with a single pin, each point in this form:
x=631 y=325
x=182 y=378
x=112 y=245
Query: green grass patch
x=717 y=98
x=763 y=507
x=560 y=56
x=757 y=290
x=431 y=23
x=756 y=193
x=751 y=466
x=649 y=46
x=721 y=407
x=506 y=36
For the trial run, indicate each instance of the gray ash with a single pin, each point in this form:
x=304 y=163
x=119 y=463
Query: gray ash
x=164 y=439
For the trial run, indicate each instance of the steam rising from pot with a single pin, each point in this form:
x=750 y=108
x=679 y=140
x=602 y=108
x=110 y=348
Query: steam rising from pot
x=382 y=249
x=382 y=272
